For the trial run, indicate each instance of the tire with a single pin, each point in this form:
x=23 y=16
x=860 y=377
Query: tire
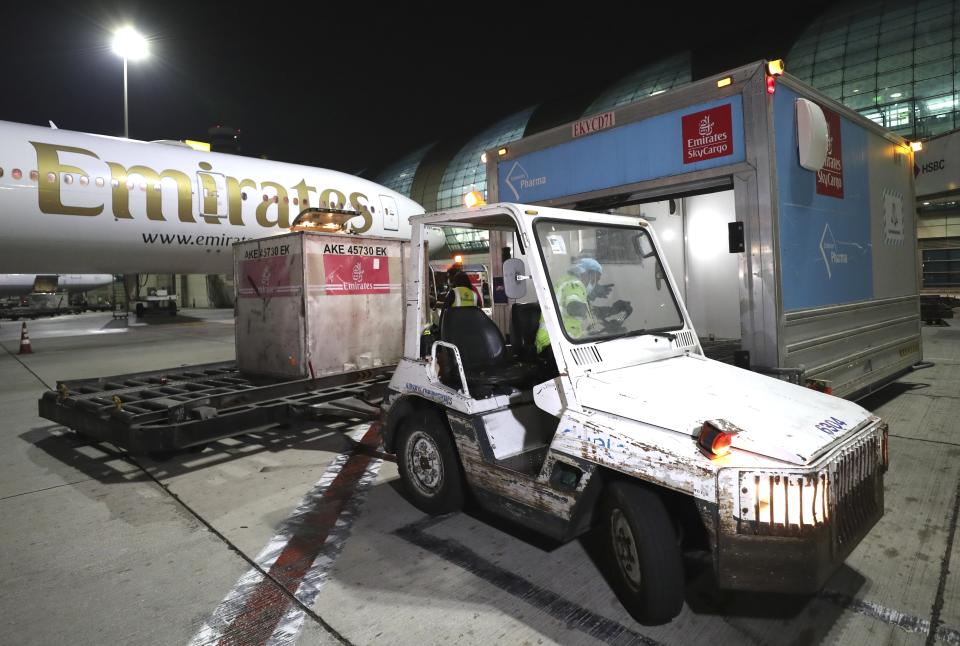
x=428 y=464
x=644 y=564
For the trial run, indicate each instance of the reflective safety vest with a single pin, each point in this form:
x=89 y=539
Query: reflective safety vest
x=569 y=289
x=463 y=297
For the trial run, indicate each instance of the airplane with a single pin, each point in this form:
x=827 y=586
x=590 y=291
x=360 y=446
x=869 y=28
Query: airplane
x=77 y=202
x=24 y=284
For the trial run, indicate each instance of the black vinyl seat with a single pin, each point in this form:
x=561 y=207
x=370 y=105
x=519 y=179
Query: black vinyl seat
x=524 y=323
x=486 y=364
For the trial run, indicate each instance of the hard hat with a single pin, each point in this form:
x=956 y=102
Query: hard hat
x=587 y=264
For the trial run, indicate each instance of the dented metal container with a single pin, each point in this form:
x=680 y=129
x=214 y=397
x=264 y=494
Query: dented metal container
x=311 y=304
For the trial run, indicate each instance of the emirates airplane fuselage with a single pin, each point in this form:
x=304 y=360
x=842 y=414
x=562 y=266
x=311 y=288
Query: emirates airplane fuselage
x=76 y=202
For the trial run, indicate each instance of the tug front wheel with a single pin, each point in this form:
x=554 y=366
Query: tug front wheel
x=644 y=563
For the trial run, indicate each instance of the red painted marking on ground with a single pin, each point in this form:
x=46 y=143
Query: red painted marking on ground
x=265 y=607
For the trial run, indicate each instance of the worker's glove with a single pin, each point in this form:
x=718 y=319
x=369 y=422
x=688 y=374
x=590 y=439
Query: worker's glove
x=600 y=291
x=621 y=307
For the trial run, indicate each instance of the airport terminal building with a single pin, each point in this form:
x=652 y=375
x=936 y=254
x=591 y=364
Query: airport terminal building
x=896 y=63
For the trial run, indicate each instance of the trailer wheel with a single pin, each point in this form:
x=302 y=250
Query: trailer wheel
x=428 y=463
x=644 y=564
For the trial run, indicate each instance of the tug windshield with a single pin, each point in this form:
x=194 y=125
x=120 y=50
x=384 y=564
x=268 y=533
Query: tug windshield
x=607 y=281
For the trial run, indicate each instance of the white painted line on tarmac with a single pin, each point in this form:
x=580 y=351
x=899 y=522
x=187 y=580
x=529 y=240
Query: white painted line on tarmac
x=297 y=560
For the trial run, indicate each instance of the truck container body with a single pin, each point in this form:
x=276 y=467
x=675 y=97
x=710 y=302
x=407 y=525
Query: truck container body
x=812 y=273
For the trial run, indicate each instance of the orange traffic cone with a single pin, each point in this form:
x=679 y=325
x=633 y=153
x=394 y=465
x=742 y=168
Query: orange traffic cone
x=25 y=347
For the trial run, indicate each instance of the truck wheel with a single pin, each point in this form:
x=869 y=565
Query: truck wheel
x=644 y=564
x=428 y=463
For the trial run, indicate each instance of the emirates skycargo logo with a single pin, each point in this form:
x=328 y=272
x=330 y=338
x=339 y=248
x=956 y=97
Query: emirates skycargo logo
x=830 y=177
x=708 y=134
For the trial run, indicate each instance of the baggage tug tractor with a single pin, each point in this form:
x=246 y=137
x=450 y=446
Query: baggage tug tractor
x=633 y=430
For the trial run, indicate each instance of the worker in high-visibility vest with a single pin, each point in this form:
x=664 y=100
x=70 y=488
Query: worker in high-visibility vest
x=573 y=292
x=462 y=293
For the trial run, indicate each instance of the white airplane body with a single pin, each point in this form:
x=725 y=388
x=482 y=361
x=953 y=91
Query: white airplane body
x=76 y=202
x=24 y=284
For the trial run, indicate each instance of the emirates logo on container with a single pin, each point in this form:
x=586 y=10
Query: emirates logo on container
x=708 y=134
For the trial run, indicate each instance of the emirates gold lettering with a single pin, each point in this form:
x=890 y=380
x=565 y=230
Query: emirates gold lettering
x=303 y=193
x=275 y=212
x=235 y=198
x=281 y=204
x=48 y=194
x=121 y=191
x=359 y=203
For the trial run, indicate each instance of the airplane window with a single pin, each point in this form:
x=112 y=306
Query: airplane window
x=276 y=199
x=373 y=209
x=35 y=176
x=115 y=183
x=16 y=174
x=296 y=201
x=129 y=184
x=1 y=171
x=143 y=186
x=51 y=177
x=84 y=180
x=266 y=198
x=156 y=187
x=306 y=203
x=100 y=182
x=67 y=178
x=243 y=196
x=286 y=200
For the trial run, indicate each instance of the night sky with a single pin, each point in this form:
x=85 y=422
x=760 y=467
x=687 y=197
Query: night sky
x=349 y=90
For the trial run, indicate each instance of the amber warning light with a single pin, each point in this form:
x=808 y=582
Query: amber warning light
x=774 y=69
x=713 y=441
x=473 y=198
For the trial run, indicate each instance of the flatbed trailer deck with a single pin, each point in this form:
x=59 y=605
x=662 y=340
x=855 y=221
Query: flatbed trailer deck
x=170 y=410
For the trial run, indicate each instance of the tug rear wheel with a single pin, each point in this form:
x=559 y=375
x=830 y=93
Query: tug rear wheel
x=428 y=463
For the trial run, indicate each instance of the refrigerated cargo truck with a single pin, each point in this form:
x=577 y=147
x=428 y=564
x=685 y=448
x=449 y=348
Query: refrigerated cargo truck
x=788 y=218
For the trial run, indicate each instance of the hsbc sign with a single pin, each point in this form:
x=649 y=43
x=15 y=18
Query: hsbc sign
x=936 y=166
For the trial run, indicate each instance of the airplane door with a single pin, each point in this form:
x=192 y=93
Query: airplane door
x=391 y=216
x=213 y=195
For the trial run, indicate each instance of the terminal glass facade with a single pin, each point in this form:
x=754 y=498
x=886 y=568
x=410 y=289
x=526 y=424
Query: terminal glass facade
x=466 y=172
x=399 y=175
x=897 y=63
x=652 y=79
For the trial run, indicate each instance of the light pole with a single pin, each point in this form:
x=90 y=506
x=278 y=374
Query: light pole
x=128 y=44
